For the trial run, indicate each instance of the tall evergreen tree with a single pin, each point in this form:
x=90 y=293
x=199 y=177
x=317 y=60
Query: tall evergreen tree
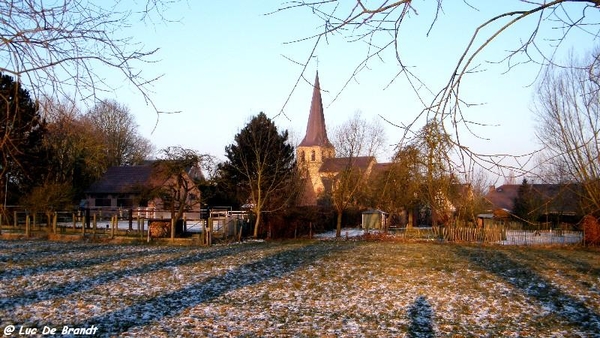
x=22 y=158
x=260 y=166
x=525 y=205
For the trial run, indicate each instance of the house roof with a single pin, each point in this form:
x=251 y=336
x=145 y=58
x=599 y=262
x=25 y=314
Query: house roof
x=334 y=165
x=316 y=133
x=125 y=179
x=557 y=198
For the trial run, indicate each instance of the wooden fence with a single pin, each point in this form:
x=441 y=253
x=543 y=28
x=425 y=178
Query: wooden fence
x=470 y=234
x=134 y=224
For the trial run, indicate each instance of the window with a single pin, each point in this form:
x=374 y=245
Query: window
x=313 y=156
x=124 y=202
x=102 y=202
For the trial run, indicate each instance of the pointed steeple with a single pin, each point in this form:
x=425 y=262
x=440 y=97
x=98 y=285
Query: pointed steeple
x=316 y=133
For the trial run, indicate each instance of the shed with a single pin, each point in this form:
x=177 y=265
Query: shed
x=374 y=219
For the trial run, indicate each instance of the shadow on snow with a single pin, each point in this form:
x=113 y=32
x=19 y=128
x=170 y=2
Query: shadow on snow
x=63 y=261
x=172 y=303
x=535 y=286
x=61 y=290
x=420 y=315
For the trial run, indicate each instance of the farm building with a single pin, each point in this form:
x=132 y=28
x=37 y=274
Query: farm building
x=140 y=186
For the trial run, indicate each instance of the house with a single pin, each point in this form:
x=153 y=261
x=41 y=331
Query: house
x=146 y=185
x=552 y=202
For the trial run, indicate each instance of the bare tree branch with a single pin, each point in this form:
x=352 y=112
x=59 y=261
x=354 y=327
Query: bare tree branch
x=64 y=48
x=380 y=27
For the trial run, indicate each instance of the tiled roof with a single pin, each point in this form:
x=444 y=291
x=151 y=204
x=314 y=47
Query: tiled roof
x=559 y=198
x=316 y=133
x=334 y=165
x=124 y=179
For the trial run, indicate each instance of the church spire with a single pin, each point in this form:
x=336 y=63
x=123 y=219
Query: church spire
x=316 y=133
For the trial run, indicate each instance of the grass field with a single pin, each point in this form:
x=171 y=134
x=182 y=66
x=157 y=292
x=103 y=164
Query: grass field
x=301 y=289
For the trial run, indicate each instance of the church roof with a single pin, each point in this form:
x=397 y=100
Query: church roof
x=316 y=133
x=335 y=165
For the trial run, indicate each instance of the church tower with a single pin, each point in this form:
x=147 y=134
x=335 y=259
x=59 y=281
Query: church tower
x=315 y=148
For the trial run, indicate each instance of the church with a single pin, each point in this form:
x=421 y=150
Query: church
x=316 y=154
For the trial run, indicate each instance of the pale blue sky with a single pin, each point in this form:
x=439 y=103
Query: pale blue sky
x=222 y=63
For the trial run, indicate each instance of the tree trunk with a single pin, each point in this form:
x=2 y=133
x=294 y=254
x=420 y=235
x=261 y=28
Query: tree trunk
x=173 y=223
x=338 y=230
x=256 y=223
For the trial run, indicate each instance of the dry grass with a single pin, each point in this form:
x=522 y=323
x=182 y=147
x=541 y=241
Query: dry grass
x=302 y=289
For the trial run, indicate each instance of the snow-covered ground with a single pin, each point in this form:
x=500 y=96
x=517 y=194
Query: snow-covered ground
x=299 y=289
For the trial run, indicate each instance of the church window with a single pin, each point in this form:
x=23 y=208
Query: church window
x=313 y=156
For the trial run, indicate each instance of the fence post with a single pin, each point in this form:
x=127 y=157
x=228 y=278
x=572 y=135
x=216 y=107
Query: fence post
x=234 y=222
x=113 y=222
x=94 y=226
x=141 y=227
x=83 y=223
x=27 y=226
x=130 y=216
x=204 y=232
x=172 y=230
x=54 y=222
x=209 y=232
x=74 y=221
x=16 y=222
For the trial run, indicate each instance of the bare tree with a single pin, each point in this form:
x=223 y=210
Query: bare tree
x=434 y=146
x=568 y=112
x=178 y=188
x=381 y=28
x=357 y=142
x=359 y=137
x=395 y=187
x=65 y=48
x=77 y=152
x=116 y=126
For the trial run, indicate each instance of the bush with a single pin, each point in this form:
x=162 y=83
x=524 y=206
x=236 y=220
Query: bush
x=300 y=221
x=591 y=230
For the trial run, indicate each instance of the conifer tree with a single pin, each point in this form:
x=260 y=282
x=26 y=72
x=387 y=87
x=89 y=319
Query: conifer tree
x=260 y=166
